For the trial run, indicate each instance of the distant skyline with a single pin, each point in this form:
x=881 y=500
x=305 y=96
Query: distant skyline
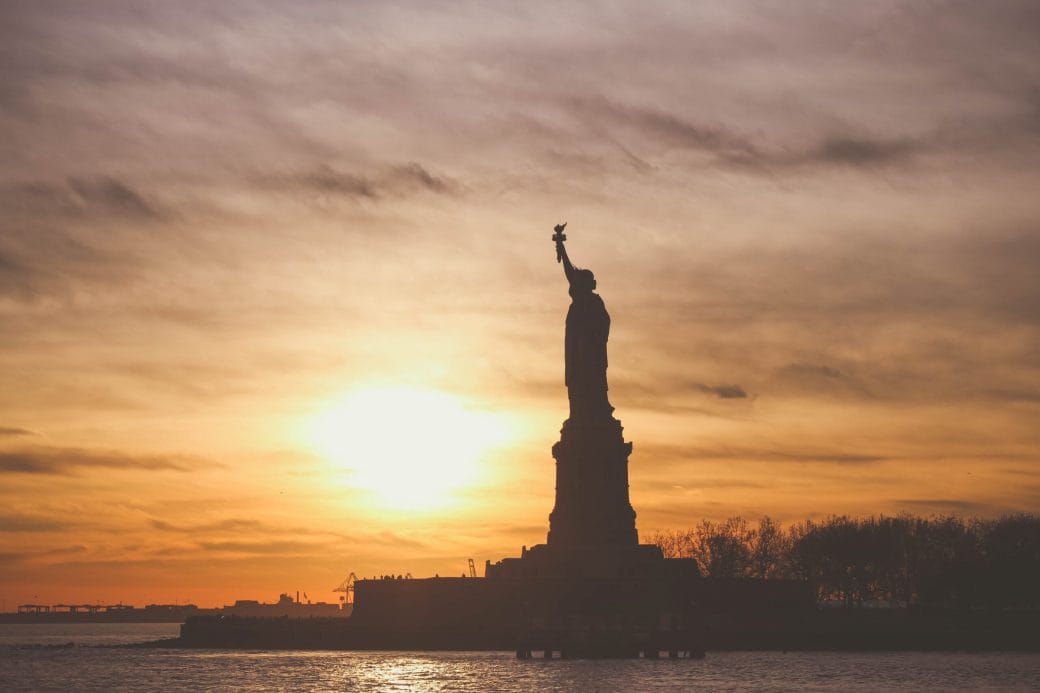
x=244 y=245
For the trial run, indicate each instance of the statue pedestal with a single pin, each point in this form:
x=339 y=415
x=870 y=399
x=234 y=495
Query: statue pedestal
x=592 y=527
x=592 y=506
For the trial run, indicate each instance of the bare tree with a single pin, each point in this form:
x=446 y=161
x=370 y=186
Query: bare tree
x=769 y=549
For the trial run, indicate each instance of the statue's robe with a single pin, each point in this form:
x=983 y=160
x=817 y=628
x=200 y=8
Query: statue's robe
x=585 y=351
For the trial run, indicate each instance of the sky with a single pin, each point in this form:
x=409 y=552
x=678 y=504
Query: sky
x=278 y=299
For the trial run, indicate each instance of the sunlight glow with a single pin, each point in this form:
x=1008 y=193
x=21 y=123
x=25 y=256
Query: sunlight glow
x=410 y=449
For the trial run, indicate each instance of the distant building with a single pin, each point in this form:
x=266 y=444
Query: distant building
x=286 y=606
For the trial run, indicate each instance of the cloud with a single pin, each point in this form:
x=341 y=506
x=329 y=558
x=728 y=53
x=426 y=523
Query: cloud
x=673 y=453
x=393 y=181
x=699 y=482
x=730 y=148
x=77 y=461
x=9 y=431
x=238 y=526
x=865 y=152
x=24 y=556
x=265 y=548
x=394 y=539
x=10 y=522
x=950 y=506
x=676 y=131
x=723 y=391
x=811 y=370
x=816 y=379
x=670 y=393
x=80 y=197
x=39 y=261
x=1013 y=395
x=114 y=196
x=414 y=176
x=685 y=513
x=327 y=180
x=228 y=525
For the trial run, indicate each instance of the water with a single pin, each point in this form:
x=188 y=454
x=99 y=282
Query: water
x=90 y=665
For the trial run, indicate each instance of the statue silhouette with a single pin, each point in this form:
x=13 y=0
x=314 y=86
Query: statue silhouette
x=585 y=341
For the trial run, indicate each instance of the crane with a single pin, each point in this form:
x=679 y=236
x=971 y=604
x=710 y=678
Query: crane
x=472 y=568
x=347 y=587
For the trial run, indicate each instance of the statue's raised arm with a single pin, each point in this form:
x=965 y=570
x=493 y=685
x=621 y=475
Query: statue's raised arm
x=561 y=251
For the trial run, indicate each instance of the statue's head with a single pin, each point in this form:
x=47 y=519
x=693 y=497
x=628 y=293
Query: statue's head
x=584 y=282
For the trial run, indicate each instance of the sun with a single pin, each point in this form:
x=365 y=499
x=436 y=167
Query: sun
x=406 y=448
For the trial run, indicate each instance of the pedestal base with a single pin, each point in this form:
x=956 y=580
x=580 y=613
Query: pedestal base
x=592 y=506
x=590 y=561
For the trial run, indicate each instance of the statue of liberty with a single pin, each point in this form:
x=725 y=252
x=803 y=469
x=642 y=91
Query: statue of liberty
x=585 y=342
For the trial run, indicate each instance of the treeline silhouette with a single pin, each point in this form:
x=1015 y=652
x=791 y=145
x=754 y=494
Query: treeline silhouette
x=946 y=562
